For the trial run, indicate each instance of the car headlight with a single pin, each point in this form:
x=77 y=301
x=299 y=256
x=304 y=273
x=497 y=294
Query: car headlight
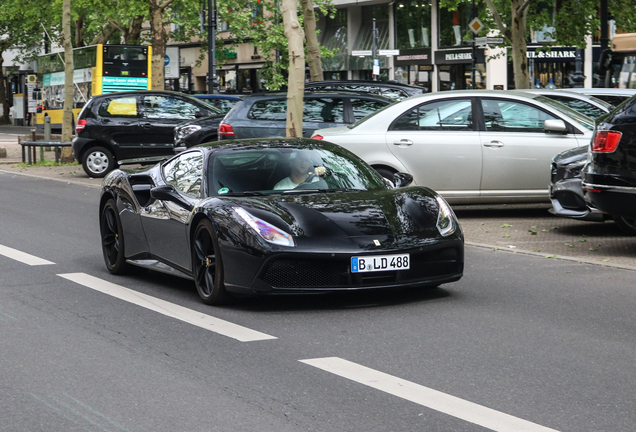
x=267 y=231
x=184 y=131
x=445 y=220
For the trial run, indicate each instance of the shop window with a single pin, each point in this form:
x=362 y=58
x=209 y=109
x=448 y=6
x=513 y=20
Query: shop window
x=453 y=25
x=413 y=20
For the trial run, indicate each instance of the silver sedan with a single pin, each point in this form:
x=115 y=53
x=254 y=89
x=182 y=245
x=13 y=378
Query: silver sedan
x=473 y=146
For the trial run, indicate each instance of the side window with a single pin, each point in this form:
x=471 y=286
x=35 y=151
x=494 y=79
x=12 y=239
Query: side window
x=169 y=108
x=510 y=116
x=394 y=94
x=185 y=172
x=323 y=110
x=362 y=108
x=269 y=110
x=115 y=107
x=446 y=115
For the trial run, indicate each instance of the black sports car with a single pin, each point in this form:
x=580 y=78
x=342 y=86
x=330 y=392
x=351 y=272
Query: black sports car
x=235 y=217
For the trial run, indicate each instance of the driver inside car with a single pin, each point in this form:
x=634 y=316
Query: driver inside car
x=302 y=171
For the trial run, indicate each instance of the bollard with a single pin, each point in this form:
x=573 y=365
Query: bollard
x=47 y=134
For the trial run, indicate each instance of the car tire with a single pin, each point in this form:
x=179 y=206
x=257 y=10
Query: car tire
x=97 y=162
x=627 y=225
x=386 y=173
x=207 y=266
x=112 y=235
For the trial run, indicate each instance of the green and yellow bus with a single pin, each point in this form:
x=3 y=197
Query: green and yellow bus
x=99 y=69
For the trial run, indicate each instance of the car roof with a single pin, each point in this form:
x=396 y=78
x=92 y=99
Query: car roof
x=258 y=143
x=276 y=94
x=604 y=91
x=216 y=96
x=391 y=84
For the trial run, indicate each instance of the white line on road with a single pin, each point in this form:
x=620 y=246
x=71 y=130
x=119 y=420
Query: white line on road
x=216 y=325
x=442 y=402
x=23 y=257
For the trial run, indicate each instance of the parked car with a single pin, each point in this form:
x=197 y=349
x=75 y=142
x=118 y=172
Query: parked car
x=609 y=178
x=138 y=124
x=472 y=146
x=391 y=89
x=264 y=114
x=566 y=191
x=615 y=96
x=341 y=228
x=583 y=103
x=223 y=102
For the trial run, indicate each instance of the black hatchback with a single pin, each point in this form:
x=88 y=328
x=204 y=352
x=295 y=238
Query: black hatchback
x=609 y=179
x=127 y=125
x=264 y=115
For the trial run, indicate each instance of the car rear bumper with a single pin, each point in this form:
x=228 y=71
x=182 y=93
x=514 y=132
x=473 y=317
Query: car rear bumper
x=614 y=200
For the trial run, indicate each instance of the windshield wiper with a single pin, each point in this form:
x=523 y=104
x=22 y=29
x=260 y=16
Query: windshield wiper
x=246 y=193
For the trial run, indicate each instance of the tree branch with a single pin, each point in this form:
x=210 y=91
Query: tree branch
x=524 y=6
x=500 y=24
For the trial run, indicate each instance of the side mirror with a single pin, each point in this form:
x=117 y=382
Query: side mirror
x=168 y=193
x=402 y=179
x=555 y=126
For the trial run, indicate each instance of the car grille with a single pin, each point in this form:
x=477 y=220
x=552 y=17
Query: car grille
x=570 y=200
x=336 y=272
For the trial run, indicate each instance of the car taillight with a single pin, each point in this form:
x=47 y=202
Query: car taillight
x=317 y=137
x=81 y=124
x=606 y=141
x=226 y=130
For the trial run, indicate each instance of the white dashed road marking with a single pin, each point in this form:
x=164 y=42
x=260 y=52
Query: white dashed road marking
x=23 y=257
x=216 y=325
x=442 y=402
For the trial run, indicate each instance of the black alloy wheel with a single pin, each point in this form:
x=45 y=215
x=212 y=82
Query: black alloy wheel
x=627 y=225
x=207 y=266
x=112 y=239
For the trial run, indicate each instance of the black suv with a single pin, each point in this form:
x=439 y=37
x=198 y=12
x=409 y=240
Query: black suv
x=265 y=114
x=391 y=89
x=609 y=178
x=127 y=125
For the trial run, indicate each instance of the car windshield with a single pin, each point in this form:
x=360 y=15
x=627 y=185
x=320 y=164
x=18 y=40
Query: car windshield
x=581 y=119
x=288 y=170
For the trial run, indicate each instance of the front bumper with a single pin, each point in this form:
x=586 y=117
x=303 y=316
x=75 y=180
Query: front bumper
x=568 y=201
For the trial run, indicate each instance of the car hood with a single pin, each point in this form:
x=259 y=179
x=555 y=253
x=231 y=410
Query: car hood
x=348 y=214
x=569 y=156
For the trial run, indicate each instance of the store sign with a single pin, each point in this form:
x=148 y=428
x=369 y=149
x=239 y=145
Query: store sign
x=458 y=56
x=413 y=57
x=551 y=54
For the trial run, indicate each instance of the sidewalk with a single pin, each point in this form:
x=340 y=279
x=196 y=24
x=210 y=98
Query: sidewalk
x=526 y=228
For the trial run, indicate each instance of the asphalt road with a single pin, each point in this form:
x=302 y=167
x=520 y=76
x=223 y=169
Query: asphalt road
x=520 y=343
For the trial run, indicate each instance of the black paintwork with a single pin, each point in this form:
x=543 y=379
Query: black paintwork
x=128 y=136
x=208 y=132
x=609 y=180
x=328 y=229
x=376 y=87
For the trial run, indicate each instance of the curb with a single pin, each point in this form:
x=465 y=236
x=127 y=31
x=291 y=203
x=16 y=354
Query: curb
x=550 y=256
x=73 y=182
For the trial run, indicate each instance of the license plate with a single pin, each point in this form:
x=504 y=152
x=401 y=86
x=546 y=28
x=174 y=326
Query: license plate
x=380 y=263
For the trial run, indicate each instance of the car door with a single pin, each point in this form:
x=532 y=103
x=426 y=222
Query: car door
x=165 y=221
x=265 y=118
x=117 y=122
x=161 y=114
x=517 y=151
x=438 y=143
x=322 y=112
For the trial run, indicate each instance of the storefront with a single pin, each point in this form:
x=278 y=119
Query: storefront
x=454 y=69
x=557 y=65
x=415 y=66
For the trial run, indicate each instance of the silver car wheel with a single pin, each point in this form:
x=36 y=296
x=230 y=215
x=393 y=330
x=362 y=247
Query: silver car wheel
x=97 y=162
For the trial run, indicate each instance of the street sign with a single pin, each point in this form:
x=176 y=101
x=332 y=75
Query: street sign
x=476 y=25
x=362 y=53
x=494 y=40
x=481 y=41
x=389 y=52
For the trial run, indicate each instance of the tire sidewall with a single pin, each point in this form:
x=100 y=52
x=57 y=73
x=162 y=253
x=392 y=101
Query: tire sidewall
x=218 y=295
x=120 y=266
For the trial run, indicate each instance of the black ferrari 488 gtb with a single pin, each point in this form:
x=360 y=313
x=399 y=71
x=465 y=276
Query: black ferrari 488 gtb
x=281 y=215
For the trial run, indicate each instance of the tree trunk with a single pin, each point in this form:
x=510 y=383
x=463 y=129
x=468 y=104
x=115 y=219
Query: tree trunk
x=313 y=48
x=519 y=46
x=69 y=91
x=296 y=82
x=133 y=32
x=79 y=31
x=158 y=42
